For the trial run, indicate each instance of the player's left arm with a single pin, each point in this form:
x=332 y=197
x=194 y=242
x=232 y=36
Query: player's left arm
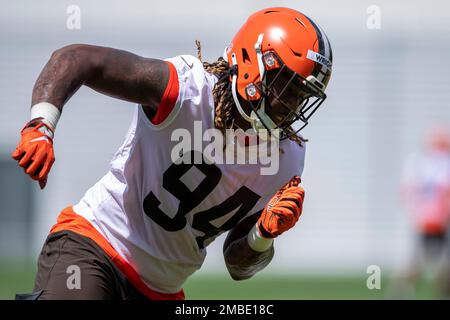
x=242 y=261
x=248 y=247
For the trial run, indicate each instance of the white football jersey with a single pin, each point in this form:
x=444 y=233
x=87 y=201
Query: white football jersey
x=160 y=216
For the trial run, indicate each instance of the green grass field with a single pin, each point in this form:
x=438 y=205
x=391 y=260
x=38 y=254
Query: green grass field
x=19 y=278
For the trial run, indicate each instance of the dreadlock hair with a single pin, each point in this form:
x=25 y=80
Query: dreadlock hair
x=225 y=108
x=223 y=100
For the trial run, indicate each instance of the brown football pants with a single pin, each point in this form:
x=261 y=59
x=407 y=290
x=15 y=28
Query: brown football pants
x=73 y=267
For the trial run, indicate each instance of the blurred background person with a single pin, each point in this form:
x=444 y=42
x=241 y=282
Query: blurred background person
x=426 y=195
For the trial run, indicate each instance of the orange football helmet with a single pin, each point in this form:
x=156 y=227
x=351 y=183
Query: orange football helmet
x=273 y=42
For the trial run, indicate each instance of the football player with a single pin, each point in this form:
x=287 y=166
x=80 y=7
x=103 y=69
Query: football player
x=425 y=190
x=144 y=227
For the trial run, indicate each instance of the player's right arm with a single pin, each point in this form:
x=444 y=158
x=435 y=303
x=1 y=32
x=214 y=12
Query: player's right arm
x=113 y=72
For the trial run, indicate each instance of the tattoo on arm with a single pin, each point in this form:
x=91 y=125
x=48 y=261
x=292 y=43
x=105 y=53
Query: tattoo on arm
x=242 y=261
x=113 y=72
x=60 y=78
x=247 y=261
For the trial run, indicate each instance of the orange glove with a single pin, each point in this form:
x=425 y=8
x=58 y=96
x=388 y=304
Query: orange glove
x=35 y=151
x=283 y=210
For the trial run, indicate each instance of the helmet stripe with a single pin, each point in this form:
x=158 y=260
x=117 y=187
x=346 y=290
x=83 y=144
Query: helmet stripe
x=328 y=51
x=321 y=71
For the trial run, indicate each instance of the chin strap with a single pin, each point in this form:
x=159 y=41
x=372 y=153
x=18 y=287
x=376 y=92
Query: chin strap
x=233 y=91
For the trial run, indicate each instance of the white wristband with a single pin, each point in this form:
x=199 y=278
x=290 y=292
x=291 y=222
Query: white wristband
x=257 y=242
x=48 y=112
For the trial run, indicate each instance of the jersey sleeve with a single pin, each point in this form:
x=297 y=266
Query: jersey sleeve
x=186 y=77
x=170 y=97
